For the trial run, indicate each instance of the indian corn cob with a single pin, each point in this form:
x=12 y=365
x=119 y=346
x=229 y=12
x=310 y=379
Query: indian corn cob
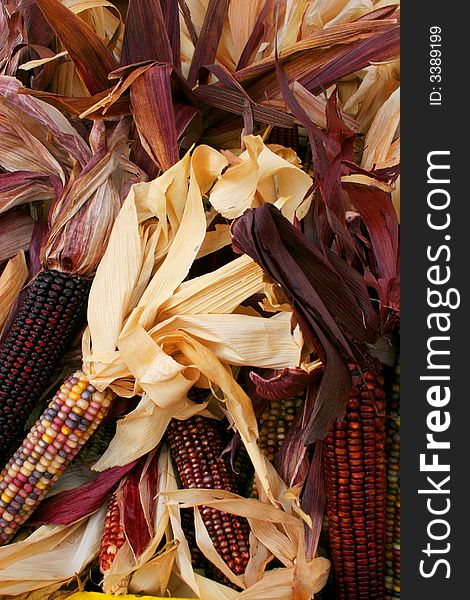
x=288 y=137
x=196 y=447
x=49 y=316
x=392 y=522
x=53 y=442
x=113 y=535
x=274 y=423
x=355 y=473
x=96 y=446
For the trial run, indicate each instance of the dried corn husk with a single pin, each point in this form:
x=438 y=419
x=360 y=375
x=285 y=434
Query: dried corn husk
x=12 y=280
x=382 y=150
x=53 y=554
x=157 y=335
x=261 y=177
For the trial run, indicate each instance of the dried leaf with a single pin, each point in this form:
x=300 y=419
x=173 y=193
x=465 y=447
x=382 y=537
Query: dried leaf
x=91 y=57
x=261 y=177
x=146 y=36
x=380 y=137
x=16 y=229
x=73 y=505
x=285 y=383
x=316 y=107
x=51 y=554
x=314 y=500
x=208 y=40
x=12 y=280
x=82 y=219
x=154 y=115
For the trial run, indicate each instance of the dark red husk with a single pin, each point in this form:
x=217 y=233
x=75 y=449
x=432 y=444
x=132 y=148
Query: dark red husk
x=73 y=505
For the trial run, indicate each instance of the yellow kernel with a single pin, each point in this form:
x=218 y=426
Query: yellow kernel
x=41 y=485
x=78 y=411
x=65 y=430
x=47 y=438
x=77 y=389
x=74 y=396
x=5 y=498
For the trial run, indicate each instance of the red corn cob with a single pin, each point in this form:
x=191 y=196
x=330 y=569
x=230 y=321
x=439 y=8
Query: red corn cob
x=55 y=439
x=113 y=535
x=355 y=475
x=392 y=524
x=196 y=447
x=49 y=316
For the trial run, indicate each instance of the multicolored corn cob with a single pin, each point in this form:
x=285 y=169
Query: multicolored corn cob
x=55 y=439
x=196 y=447
x=392 y=522
x=113 y=535
x=49 y=316
x=356 y=483
x=274 y=423
x=287 y=137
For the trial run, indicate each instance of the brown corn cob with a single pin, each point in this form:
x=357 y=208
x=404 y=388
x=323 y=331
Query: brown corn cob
x=55 y=439
x=196 y=447
x=49 y=316
x=287 y=137
x=355 y=476
x=113 y=535
x=392 y=523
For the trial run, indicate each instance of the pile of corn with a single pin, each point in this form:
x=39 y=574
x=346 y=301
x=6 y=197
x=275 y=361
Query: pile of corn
x=135 y=137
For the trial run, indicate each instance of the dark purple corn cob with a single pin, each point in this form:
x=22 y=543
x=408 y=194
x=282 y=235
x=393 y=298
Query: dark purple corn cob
x=196 y=446
x=355 y=468
x=287 y=137
x=48 y=318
